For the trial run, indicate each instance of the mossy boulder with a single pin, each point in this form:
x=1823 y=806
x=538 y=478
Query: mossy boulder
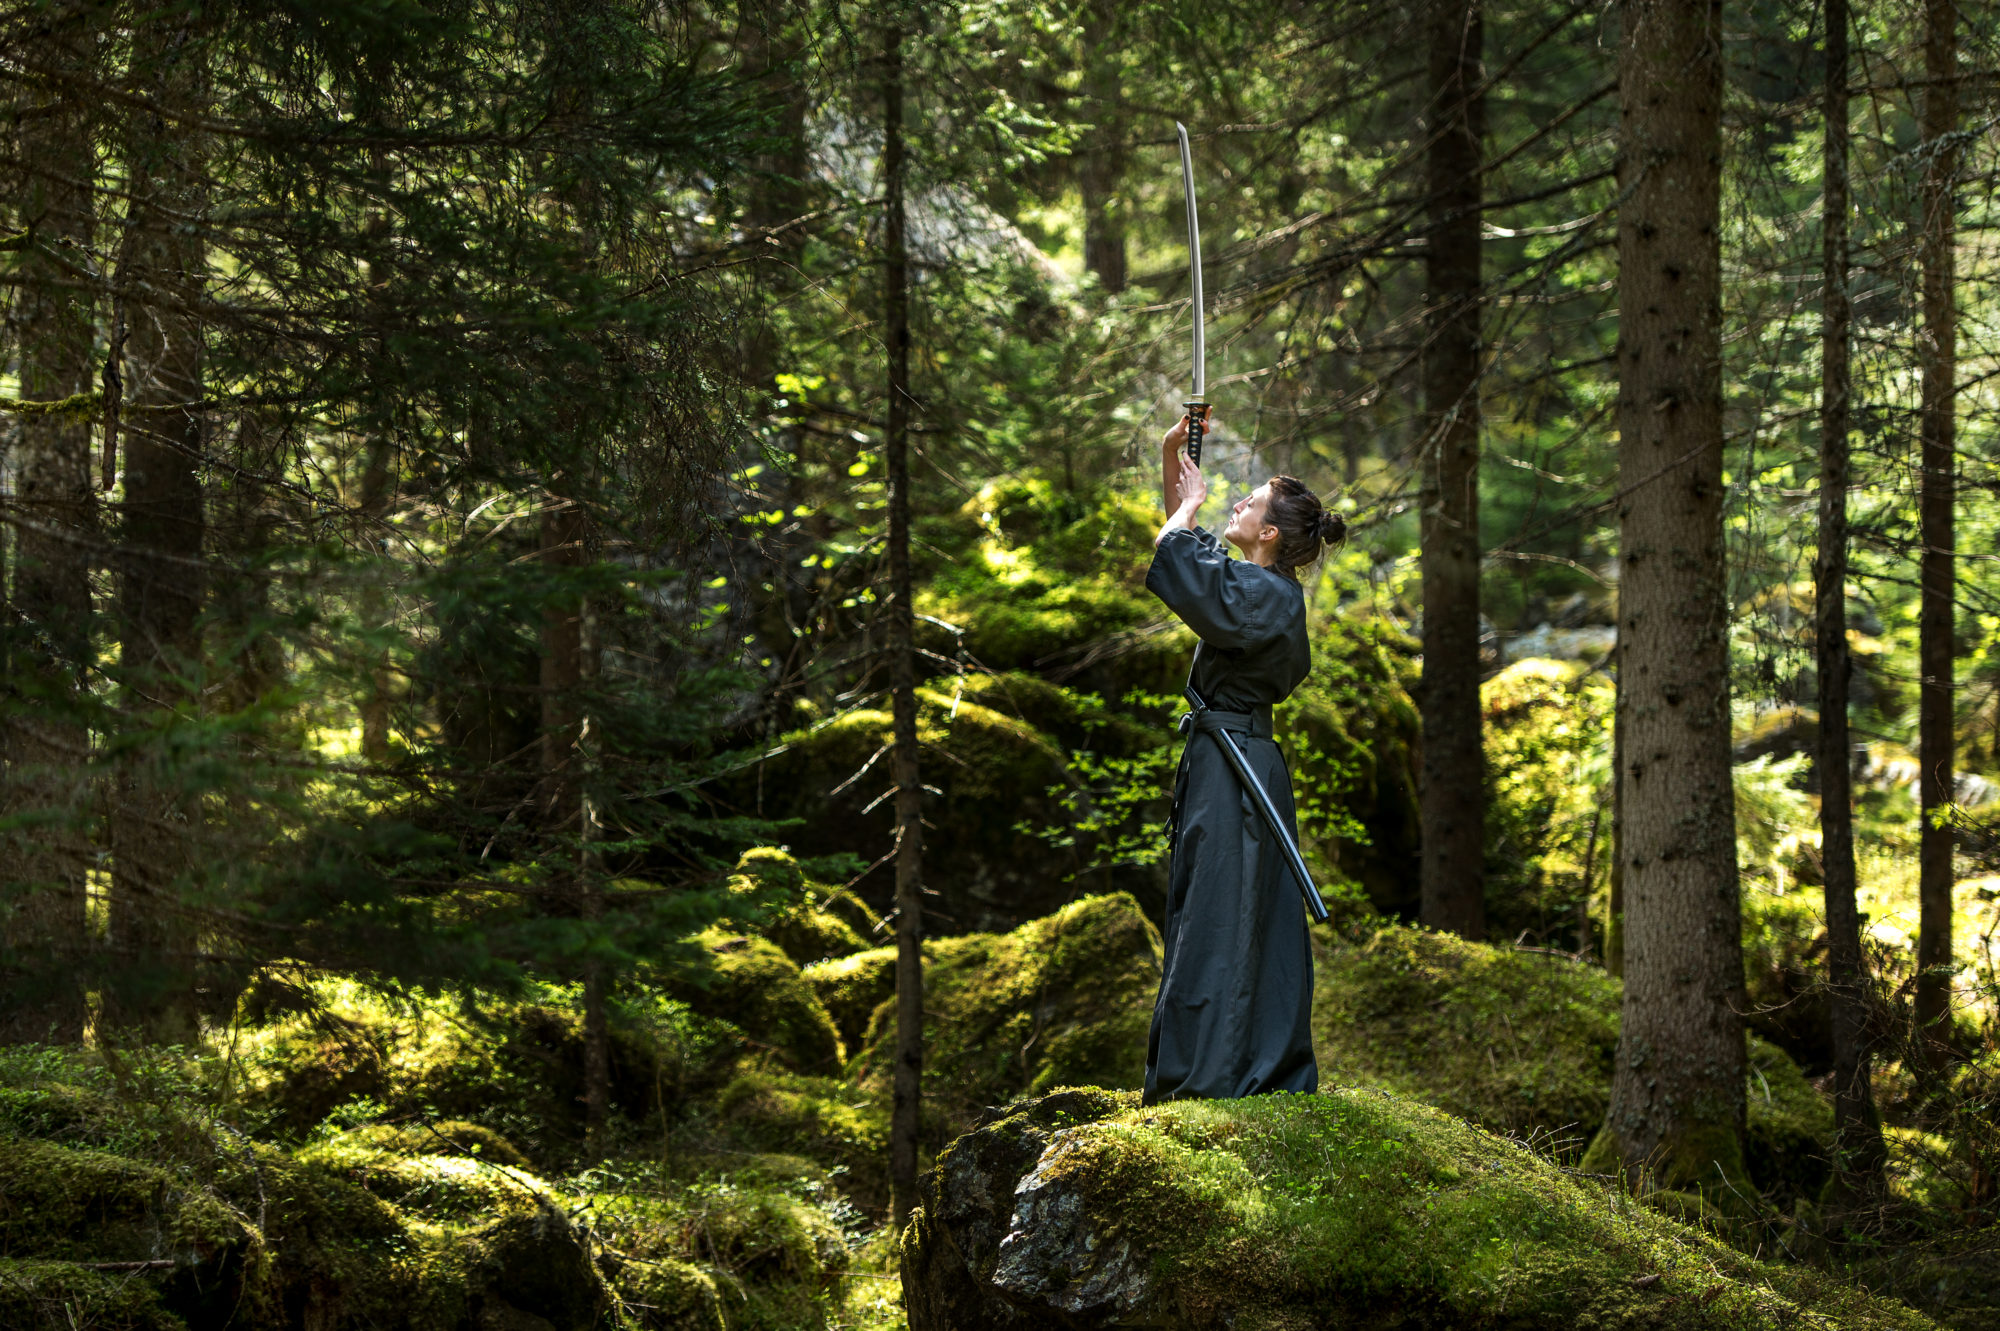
x=62 y=1204
x=1351 y=1208
x=750 y=983
x=669 y=1295
x=1041 y=579
x=1518 y=1042
x=65 y=1296
x=1548 y=821
x=448 y=1137
x=435 y=1187
x=990 y=772
x=1522 y=1043
x=511 y=1067
x=1063 y=1000
x=852 y=987
x=1788 y=1131
x=809 y=921
x=828 y=1121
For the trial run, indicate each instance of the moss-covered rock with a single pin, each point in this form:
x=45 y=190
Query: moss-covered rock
x=511 y=1067
x=436 y=1187
x=1518 y=1042
x=63 y=1296
x=1522 y=1043
x=852 y=987
x=1351 y=736
x=448 y=1137
x=1788 y=1132
x=1547 y=727
x=992 y=771
x=832 y=1123
x=82 y=1205
x=669 y=1295
x=750 y=983
x=1063 y=1000
x=809 y=921
x=1353 y=1208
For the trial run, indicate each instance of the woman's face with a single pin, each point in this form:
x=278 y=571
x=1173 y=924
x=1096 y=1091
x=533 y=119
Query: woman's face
x=1247 y=528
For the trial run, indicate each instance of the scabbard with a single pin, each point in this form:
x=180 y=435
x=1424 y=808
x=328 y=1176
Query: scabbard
x=1261 y=798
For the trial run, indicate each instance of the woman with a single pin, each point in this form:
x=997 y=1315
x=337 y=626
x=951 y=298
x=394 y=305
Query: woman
x=1233 y=1015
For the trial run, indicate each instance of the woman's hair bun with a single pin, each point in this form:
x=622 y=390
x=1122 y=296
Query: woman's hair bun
x=1305 y=526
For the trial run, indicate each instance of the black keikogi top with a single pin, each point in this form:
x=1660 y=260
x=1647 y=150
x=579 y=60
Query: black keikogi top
x=1234 y=1013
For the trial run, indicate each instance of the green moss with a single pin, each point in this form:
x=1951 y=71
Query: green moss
x=750 y=983
x=1063 y=1000
x=851 y=988
x=436 y=1187
x=1518 y=1042
x=809 y=921
x=71 y=1204
x=993 y=770
x=1350 y=735
x=767 y=1236
x=1522 y=1043
x=668 y=1295
x=829 y=1121
x=1073 y=719
x=61 y=1296
x=450 y=1137
x=1361 y=1208
x=511 y=1067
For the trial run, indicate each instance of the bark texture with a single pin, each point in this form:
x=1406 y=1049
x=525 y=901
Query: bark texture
x=906 y=1103
x=568 y=666
x=1453 y=797
x=1102 y=172
x=153 y=916
x=1858 y=1154
x=1677 y=1105
x=47 y=744
x=1937 y=353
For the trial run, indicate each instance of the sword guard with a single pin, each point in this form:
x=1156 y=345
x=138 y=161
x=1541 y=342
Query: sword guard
x=1197 y=414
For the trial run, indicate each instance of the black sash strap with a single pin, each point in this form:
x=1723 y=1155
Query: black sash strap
x=1255 y=724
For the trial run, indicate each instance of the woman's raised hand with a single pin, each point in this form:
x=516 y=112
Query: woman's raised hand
x=1194 y=486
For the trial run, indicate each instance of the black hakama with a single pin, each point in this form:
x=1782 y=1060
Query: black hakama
x=1234 y=1013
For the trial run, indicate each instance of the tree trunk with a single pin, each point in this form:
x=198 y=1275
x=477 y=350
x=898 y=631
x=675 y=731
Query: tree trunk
x=1858 y=1152
x=1677 y=1106
x=1937 y=354
x=1453 y=795
x=152 y=925
x=1614 y=906
x=906 y=1107
x=47 y=742
x=567 y=666
x=1102 y=177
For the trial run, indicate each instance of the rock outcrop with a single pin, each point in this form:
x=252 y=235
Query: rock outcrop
x=1348 y=1209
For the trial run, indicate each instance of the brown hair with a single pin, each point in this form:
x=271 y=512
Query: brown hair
x=1305 y=527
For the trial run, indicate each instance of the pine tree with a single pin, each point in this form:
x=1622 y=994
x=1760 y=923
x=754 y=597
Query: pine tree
x=1677 y=1109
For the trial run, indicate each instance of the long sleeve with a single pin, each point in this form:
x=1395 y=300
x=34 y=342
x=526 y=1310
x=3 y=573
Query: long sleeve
x=1227 y=602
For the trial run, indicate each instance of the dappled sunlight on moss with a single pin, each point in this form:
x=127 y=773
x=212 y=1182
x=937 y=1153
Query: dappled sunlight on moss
x=1063 y=1000
x=1359 y=1207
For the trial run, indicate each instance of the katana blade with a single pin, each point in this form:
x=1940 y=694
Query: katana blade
x=1194 y=264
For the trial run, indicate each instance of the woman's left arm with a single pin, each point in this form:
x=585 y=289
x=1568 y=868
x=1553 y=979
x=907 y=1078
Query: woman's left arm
x=1193 y=493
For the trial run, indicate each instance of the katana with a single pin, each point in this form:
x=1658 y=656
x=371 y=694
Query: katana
x=1197 y=405
x=1262 y=799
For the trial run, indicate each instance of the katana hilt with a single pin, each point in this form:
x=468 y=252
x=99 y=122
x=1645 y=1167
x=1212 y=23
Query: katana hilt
x=1197 y=414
